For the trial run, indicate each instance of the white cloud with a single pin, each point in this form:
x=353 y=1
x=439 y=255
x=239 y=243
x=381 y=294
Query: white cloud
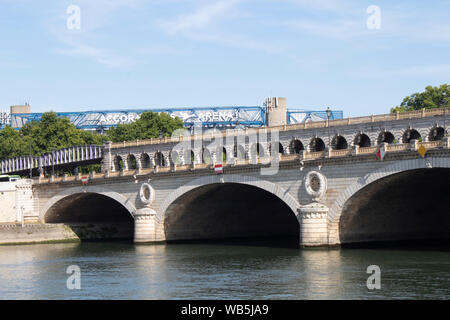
x=338 y=29
x=84 y=42
x=419 y=71
x=102 y=56
x=199 y=19
x=198 y=26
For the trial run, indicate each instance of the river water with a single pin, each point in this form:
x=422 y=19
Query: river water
x=114 y=270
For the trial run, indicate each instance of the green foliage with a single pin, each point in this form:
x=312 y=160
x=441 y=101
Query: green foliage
x=150 y=125
x=51 y=133
x=12 y=144
x=432 y=97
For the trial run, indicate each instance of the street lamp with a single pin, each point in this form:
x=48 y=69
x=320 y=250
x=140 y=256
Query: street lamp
x=53 y=162
x=445 y=115
x=328 y=125
x=31 y=161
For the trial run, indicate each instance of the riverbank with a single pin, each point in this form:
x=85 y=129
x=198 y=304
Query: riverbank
x=35 y=233
x=12 y=233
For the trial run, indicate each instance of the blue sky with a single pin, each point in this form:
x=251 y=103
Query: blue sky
x=176 y=53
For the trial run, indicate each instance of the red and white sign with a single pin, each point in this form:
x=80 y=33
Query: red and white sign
x=380 y=153
x=84 y=180
x=218 y=168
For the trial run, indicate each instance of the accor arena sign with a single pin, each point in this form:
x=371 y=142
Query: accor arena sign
x=117 y=118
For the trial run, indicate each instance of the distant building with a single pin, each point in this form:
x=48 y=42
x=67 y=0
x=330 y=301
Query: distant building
x=274 y=112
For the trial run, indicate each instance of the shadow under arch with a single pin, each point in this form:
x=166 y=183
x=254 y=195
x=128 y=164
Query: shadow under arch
x=241 y=208
x=403 y=201
x=92 y=213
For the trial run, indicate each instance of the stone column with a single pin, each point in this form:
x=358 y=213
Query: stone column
x=446 y=142
x=107 y=158
x=413 y=145
x=144 y=225
x=355 y=150
x=313 y=225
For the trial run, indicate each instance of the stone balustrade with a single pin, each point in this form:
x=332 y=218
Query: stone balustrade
x=259 y=161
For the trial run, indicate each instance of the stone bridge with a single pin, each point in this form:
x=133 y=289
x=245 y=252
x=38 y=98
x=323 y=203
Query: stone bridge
x=320 y=183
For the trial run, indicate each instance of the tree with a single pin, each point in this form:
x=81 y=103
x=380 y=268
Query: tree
x=53 y=133
x=149 y=125
x=432 y=97
x=12 y=143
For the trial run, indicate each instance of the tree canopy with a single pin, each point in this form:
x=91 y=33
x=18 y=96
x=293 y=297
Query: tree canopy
x=432 y=97
x=51 y=133
x=149 y=125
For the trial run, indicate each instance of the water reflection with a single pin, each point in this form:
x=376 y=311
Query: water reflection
x=127 y=271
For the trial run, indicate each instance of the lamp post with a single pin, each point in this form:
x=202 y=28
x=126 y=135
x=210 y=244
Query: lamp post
x=31 y=161
x=328 y=125
x=53 y=162
x=445 y=115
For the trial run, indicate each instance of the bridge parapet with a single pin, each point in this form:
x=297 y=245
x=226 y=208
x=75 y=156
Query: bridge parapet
x=424 y=113
x=407 y=149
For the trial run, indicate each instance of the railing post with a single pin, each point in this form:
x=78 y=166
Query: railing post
x=355 y=150
x=414 y=145
x=446 y=142
x=302 y=154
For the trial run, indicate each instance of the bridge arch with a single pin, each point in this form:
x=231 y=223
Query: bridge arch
x=88 y=189
x=436 y=133
x=339 y=143
x=92 y=213
x=410 y=134
x=362 y=140
x=145 y=161
x=336 y=210
x=316 y=144
x=258 y=150
x=386 y=137
x=230 y=178
x=200 y=211
x=239 y=152
x=296 y=146
x=131 y=162
x=118 y=163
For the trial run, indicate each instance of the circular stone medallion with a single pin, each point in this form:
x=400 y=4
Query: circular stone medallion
x=315 y=184
x=147 y=194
